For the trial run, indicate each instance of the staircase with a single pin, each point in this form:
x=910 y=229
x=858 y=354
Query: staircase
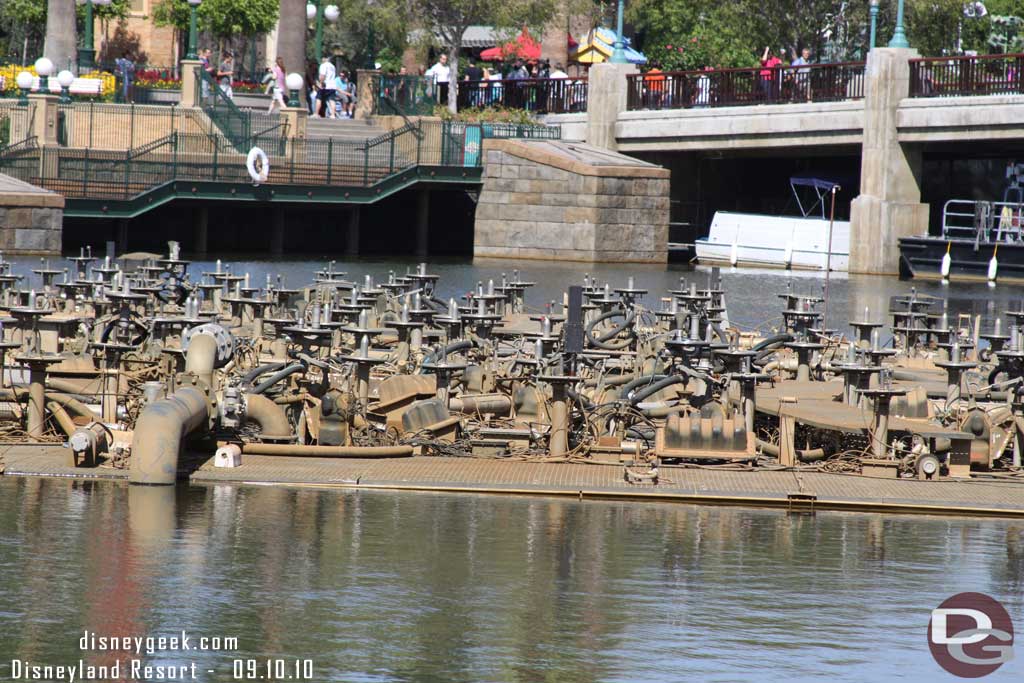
x=343 y=130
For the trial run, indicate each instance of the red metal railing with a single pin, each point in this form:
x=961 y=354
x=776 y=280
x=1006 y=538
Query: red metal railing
x=737 y=87
x=960 y=76
x=541 y=95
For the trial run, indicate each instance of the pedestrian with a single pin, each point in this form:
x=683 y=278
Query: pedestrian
x=278 y=85
x=313 y=86
x=473 y=77
x=205 y=65
x=802 y=76
x=125 y=69
x=654 y=86
x=558 y=72
x=441 y=74
x=704 y=88
x=225 y=74
x=343 y=91
x=326 y=78
x=771 y=62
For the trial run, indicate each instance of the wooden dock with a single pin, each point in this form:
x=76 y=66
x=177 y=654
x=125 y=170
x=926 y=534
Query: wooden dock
x=801 y=490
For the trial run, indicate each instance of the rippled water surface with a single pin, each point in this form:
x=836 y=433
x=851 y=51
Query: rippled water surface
x=381 y=586
x=376 y=586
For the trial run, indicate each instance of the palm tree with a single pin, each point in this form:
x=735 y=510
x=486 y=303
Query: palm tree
x=291 y=37
x=61 y=35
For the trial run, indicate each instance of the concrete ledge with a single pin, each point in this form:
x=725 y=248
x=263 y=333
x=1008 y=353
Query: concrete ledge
x=577 y=158
x=755 y=126
x=938 y=119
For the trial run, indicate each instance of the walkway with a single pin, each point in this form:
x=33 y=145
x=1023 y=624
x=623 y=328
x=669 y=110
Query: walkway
x=475 y=475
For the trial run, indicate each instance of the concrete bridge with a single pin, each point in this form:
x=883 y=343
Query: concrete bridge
x=889 y=112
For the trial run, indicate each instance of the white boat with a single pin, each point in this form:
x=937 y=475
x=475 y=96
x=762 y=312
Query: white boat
x=800 y=242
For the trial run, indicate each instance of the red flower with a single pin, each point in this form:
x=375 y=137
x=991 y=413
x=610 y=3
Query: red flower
x=668 y=47
x=693 y=40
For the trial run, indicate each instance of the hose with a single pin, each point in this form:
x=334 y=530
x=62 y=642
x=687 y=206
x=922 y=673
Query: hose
x=656 y=387
x=810 y=455
x=250 y=376
x=448 y=350
x=277 y=377
x=602 y=342
x=639 y=382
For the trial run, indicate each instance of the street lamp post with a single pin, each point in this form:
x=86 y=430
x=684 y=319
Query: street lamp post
x=873 y=8
x=294 y=83
x=87 y=54
x=316 y=10
x=619 y=48
x=899 y=37
x=193 y=30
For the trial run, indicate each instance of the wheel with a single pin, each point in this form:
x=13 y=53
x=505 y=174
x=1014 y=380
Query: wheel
x=927 y=467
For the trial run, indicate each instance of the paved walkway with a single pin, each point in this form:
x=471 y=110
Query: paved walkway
x=716 y=486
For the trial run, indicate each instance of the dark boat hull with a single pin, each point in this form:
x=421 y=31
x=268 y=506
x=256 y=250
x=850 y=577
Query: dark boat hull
x=921 y=258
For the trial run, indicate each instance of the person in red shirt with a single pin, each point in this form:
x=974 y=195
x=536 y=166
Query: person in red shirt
x=769 y=74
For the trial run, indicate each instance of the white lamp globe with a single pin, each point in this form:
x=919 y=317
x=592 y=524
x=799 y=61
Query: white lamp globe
x=101 y=2
x=24 y=80
x=311 y=12
x=65 y=78
x=44 y=67
x=195 y=3
x=293 y=81
x=331 y=13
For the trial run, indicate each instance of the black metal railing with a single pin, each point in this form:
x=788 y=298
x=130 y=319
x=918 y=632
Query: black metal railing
x=540 y=95
x=739 y=87
x=962 y=76
x=404 y=95
x=233 y=123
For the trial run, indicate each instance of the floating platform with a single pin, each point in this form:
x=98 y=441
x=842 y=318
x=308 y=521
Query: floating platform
x=799 y=490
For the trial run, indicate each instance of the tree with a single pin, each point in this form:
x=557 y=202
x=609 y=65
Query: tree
x=447 y=20
x=386 y=22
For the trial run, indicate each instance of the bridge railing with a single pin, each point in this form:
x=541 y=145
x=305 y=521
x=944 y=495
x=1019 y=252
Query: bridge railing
x=740 y=87
x=404 y=95
x=970 y=75
x=540 y=95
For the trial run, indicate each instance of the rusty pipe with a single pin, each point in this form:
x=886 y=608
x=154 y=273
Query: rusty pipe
x=269 y=416
x=327 y=451
x=159 y=432
x=199 y=360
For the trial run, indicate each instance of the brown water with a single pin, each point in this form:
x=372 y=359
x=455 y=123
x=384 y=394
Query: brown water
x=381 y=586
x=375 y=586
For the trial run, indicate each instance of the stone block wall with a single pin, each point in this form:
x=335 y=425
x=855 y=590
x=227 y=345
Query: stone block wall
x=30 y=219
x=556 y=201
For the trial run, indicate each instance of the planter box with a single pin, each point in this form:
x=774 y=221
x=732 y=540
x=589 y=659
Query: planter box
x=252 y=100
x=156 y=96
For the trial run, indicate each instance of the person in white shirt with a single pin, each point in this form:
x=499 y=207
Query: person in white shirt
x=557 y=72
x=441 y=73
x=328 y=75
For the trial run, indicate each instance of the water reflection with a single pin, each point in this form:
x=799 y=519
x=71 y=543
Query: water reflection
x=382 y=586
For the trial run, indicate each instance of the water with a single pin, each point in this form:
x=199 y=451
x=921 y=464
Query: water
x=381 y=586
x=750 y=293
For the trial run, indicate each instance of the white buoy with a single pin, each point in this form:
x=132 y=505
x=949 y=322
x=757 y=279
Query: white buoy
x=947 y=261
x=993 y=265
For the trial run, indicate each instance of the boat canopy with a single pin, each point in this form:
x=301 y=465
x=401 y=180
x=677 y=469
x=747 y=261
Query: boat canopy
x=822 y=185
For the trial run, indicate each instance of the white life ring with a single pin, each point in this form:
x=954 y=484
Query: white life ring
x=258 y=176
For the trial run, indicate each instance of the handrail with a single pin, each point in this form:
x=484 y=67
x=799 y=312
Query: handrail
x=222 y=102
x=1001 y=74
x=21 y=145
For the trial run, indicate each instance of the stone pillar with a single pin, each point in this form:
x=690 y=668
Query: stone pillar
x=606 y=99
x=44 y=124
x=422 y=223
x=889 y=205
x=202 y=229
x=188 y=82
x=277 y=233
x=352 y=243
x=364 y=92
x=295 y=118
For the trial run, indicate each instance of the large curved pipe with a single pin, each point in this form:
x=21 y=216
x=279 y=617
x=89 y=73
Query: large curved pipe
x=811 y=455
x=201 y=355
x=269 y=416
x=159 y=432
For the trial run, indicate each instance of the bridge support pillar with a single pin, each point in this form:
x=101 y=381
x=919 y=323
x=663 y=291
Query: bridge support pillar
x=122 y=235
x=364 y=95
x=889 y=205
x=189 y=82
x=605 y=101
x=44 y=127
x=422 y=223
x=277 y=233
x=202 y=229
x=352 y=243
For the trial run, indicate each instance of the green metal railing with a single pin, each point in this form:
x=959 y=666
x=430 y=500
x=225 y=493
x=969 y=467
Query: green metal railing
x=403 y=95
x=233 y=123
x=88 y=173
